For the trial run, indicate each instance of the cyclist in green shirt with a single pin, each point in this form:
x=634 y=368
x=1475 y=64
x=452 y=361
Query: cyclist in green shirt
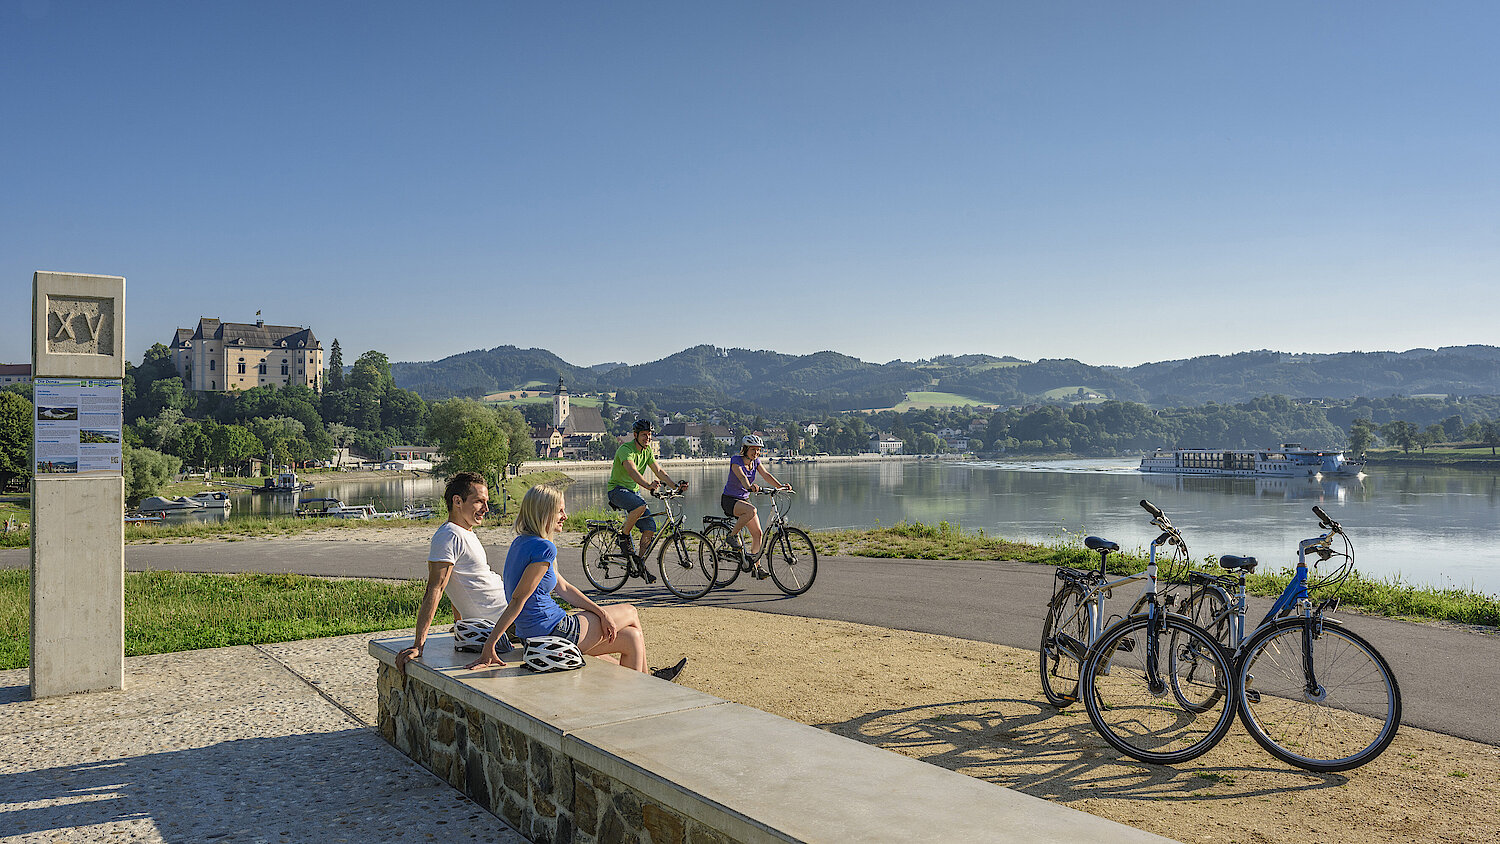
x=626 y=479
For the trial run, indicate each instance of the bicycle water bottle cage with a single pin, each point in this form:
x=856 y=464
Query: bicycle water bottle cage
x=1233 y=563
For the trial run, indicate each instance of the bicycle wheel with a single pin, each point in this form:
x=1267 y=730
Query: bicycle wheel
x=603 y=563
x=729 y=558
x=793 y=561
x=1345 y=722
x=1209 y=611
x=688 y=565
x=1139 y=712
x=1060 y=669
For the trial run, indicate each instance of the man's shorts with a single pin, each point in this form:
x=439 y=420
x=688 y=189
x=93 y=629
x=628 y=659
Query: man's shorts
x=628 y=500
x=568 y=628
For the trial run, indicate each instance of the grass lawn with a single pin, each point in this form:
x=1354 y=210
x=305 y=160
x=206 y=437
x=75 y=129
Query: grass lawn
x=167 y=612
x=1071 y=392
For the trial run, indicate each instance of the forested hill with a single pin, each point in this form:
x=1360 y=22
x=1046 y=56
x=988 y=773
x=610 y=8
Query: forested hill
x=832 y=381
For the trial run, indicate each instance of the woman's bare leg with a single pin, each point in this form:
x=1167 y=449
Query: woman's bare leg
x=745 y=511
x=629 y=641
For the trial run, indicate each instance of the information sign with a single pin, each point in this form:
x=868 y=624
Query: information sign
x=79 y=424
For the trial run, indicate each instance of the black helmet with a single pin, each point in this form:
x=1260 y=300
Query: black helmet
x=642 y=425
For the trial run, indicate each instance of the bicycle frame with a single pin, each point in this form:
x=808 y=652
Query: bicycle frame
x=671 y=524
x=772 y=532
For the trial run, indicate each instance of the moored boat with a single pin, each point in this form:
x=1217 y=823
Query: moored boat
x=1290 y=460
x=333 y=508
x=158 y=504
x=213 y=499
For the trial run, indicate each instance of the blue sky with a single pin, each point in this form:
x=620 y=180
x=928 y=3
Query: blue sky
x=1112 y=182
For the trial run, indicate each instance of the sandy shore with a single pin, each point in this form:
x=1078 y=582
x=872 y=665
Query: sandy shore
x=978 y=708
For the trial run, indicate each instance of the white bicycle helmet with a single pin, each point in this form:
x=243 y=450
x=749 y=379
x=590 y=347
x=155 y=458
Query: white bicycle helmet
x=751 y=439
x=469 y=634
x=552 y=653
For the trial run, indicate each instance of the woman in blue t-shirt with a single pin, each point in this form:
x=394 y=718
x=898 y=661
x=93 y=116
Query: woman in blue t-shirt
x=735 y=501
x=531 y=578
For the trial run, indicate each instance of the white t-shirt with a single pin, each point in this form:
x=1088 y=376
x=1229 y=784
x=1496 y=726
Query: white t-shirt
x=475 y=589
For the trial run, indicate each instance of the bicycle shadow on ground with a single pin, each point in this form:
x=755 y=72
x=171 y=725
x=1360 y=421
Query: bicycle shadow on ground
x=1038 y=750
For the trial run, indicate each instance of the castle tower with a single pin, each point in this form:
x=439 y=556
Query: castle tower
x=560 y=404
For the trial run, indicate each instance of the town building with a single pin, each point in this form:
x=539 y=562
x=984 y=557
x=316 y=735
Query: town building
x=882 y=443
x=218 y=357
x=573 y=428
x=15 y=373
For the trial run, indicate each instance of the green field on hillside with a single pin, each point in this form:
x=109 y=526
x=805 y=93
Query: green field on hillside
x=1071 y=394
x=922 y=400
x=584 y=401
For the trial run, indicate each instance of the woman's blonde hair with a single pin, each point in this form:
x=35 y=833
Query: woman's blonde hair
x=538 y=516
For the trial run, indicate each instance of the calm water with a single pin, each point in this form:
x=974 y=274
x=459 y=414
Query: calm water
x=1430 y=526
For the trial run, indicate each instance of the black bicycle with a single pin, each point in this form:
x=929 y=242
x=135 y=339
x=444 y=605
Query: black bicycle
x=789 y=554
x=686 y=560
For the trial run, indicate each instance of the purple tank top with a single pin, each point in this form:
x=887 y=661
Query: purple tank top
x=733 y=489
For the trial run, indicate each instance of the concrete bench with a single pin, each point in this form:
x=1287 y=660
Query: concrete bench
x=608 y=754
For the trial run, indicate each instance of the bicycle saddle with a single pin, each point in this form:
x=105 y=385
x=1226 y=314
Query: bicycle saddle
x=1097 y=543
x=1233 y=563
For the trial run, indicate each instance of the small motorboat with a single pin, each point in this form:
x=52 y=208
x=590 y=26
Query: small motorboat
x=213 y=498
x=332 y=508
x=157 y=504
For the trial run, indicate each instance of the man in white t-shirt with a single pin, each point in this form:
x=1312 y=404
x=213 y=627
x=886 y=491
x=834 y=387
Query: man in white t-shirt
x=456 y=562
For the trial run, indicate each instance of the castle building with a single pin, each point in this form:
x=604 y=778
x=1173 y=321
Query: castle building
x=221 y=356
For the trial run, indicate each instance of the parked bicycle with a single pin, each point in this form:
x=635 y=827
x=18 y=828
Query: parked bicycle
x=1312 y=693
x=686 y=560
x=791 y=559
x=1133 y=697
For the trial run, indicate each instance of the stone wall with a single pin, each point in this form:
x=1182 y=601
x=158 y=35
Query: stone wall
x=544 y=794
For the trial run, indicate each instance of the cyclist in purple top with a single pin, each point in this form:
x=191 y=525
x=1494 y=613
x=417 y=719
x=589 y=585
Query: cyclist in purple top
x=735 y=501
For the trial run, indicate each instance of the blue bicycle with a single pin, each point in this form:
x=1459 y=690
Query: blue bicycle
x=1312 y=693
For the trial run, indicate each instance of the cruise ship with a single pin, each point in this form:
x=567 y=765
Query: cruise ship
x=1290 y=460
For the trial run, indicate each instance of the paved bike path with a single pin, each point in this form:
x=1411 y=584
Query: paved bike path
x=1450 y=677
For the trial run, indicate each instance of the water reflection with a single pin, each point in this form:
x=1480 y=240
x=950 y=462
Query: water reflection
x=1430 y=526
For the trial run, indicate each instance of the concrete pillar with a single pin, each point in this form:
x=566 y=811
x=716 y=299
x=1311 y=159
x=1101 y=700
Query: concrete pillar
x=78 y=485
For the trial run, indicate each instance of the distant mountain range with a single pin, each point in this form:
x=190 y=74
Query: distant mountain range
x=832 y=381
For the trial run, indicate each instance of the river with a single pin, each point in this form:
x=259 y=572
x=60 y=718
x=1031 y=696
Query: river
x=1428 y=526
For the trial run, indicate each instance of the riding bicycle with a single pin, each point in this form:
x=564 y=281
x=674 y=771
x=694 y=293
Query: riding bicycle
x=688 y=571
x=1312 y=693
x=791 y=559
x=1118 y=672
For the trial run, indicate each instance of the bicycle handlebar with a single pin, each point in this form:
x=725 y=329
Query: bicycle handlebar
x=1325 y=521
x=787 y=490
x=1150 y=508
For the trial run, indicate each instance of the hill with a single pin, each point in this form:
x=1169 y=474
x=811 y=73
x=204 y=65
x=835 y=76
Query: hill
x=828 y=380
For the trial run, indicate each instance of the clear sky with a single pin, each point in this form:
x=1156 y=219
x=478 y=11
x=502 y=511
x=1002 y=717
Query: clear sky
x=1116 y=182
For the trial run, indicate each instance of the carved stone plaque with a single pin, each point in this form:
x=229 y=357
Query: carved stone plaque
x=80 y=325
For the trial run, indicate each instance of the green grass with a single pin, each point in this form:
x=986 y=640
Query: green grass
x=585 y=401
x=1388 y=596
x=921 y=400
x=167 y=612
x=1071 y=392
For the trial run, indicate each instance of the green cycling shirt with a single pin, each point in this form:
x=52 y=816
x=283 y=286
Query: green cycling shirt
x=643 y=459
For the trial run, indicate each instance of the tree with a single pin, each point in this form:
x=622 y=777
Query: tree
x=15 y=437
x=232 y=445
x=1400 y=433
x=472 y=436
x=1360 y=436
x=1491 y=436
x=160 y=430
x=146 y=472
x=371 y=373
x=335 y=381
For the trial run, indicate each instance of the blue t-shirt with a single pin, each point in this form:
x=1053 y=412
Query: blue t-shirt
x=539 y=612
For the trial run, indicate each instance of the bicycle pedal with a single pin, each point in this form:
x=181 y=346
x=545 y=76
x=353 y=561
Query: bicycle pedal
x=1252 y=696
x=650 y=578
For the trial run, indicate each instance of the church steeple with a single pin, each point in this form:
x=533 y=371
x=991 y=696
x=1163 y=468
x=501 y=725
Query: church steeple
x=560 y=409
